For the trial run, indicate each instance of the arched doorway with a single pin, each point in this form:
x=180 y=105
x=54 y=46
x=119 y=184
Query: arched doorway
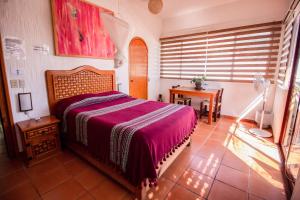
x=138 y=68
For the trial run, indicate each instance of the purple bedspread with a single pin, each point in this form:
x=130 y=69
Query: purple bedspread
x=131 y=134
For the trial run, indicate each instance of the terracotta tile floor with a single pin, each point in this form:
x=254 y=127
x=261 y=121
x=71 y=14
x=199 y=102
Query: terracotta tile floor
x=223 y=162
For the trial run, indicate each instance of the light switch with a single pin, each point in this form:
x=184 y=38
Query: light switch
x=16 y=71
x=21 y=83
x=44 y=49
x=14 y=83
x=119 y=86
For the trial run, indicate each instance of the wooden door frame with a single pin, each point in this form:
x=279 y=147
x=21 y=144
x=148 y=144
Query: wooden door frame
x=138 y=38
x=6 y=111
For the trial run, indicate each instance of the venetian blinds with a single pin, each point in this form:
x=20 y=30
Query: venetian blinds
x=234 y=54
x=286 y=46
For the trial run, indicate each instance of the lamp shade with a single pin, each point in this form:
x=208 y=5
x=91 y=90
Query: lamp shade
x=25 y=102
x=155 y=6
x=119 y=31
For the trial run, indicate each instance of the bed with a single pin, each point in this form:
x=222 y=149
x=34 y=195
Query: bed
x=131 y=140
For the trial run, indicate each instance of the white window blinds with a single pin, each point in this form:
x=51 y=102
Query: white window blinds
x=233 y=54
x=286 y=54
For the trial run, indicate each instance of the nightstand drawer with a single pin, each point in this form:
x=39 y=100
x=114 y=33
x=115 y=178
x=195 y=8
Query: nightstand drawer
x=41 y=131
x=44 y=146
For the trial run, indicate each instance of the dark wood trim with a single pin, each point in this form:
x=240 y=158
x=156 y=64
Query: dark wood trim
x=6 y=111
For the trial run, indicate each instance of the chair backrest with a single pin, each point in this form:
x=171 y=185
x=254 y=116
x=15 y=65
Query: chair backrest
x=217 y=98
x=221 y=95
x=176 y=86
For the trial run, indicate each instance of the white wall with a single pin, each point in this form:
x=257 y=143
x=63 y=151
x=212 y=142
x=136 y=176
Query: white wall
x=278 y=109
x=31 y=21
x=237 y=96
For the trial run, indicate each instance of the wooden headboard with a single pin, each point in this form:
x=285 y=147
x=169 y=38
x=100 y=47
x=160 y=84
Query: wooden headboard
x=81 y=80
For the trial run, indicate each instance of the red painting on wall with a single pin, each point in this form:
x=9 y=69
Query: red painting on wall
x=79 y=31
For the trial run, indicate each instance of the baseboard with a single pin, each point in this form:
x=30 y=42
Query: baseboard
x=235 y=118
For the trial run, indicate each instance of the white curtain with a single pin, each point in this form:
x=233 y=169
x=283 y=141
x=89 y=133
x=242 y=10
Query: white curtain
x=119 y=32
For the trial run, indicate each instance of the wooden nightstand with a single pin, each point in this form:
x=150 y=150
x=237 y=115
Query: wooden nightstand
x=40 y=138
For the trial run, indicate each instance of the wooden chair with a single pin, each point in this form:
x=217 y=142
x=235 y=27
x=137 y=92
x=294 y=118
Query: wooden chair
x=180 y=99
x=216 y=106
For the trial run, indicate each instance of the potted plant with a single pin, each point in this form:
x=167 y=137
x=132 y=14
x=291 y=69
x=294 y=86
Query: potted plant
x=198 y=80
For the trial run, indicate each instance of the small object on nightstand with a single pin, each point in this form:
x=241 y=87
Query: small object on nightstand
x=160 y=99
x=40 y=139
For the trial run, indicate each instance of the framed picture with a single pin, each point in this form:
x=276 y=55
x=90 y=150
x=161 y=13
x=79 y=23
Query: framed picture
x=25 y=102
x=79 y=31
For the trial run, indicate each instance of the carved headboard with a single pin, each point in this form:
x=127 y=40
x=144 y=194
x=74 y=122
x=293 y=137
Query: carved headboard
x=81 y=80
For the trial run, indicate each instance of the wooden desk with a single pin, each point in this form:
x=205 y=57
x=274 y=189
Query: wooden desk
x=190 y=91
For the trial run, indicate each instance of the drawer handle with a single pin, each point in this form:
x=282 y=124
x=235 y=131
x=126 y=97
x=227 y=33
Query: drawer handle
x=44 y=132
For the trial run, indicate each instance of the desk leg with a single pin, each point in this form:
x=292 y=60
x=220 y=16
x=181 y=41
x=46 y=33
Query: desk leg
x=211 y=102
x=171 y=97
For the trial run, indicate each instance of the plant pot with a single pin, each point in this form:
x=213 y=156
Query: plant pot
x=198 y=85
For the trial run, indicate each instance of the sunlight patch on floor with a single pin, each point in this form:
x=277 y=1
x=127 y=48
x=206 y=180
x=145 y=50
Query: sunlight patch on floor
x=260 y=154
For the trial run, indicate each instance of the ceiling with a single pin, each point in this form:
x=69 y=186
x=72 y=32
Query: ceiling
x=173 y=8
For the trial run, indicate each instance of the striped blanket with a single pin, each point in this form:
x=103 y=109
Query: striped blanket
x=122 y=133
x=132 y=134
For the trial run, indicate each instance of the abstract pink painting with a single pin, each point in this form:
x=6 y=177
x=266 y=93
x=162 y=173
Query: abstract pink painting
x=79 y=31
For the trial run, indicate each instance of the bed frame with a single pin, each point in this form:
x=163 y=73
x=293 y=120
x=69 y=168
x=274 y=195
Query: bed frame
x=86 y=79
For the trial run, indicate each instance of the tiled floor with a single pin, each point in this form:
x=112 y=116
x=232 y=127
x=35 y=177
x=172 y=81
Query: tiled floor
x=222 y=163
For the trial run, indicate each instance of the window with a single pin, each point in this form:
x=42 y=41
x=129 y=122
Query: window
x=234 y=54
x=287 y=46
